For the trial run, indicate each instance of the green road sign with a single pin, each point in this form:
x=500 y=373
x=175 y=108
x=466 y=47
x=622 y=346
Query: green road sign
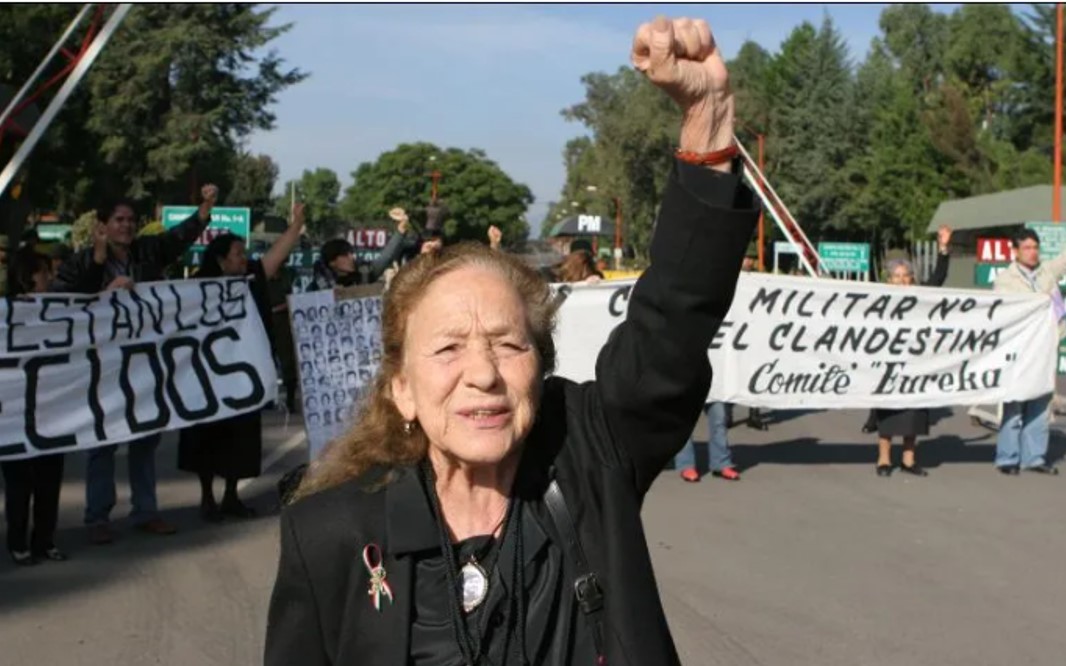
x=232 y=220
x=845 y=257
x=984 y=275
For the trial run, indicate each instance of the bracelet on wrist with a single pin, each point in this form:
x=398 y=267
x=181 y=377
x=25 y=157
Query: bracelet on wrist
x=713 y=158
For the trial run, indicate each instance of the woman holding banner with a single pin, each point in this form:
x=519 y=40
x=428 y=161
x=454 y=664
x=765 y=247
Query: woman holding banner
x=908 y=423
x=232 y=448
x=483 y=511
x=37 y=480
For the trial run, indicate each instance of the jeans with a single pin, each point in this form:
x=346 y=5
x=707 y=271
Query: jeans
x=721 y=457
x=100 y=481
x=1023 y=433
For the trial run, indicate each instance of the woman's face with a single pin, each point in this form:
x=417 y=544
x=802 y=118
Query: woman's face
x=901 y=275
x=236 y=262
x=470 y=373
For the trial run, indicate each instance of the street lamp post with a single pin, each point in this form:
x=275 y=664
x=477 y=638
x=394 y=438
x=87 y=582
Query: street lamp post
x=617 y=226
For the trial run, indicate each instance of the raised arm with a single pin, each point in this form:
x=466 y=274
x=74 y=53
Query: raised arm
x=392 y=250
x=175 y=241
x=653 y=375
x=943 y=258
x=279 y=252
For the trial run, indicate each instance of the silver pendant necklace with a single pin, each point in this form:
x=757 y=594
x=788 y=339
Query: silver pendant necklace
x=475 y=585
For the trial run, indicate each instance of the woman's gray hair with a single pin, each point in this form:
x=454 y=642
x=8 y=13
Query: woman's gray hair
x=897 y=263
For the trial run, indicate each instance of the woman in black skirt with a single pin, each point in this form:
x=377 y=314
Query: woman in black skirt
x=35 y=481
x=908 y=423
x=231 y=448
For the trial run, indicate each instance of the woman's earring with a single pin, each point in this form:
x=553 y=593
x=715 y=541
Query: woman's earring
x=408 y=427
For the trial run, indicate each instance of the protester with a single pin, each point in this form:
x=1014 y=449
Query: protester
x=718 y=444
x=35 y=481
x=119 y=259
x=578 y=266
x=60 y=253
x=232 y=448
x=1023 y=431
x=464 y=450
x=910 y=424
x=337 y=268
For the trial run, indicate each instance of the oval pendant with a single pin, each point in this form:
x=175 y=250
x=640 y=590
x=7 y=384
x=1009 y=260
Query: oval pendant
x=475 y=585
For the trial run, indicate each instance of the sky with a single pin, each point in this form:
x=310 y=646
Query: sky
x=492 y=76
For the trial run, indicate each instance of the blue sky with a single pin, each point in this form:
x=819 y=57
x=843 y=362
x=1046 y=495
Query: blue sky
x=488 y=76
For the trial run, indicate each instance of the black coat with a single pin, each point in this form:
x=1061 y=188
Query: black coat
x=606 y=440
x=149 y=258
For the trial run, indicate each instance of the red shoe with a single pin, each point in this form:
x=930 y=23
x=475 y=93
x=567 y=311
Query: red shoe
x=727 y=473
x=690 y=474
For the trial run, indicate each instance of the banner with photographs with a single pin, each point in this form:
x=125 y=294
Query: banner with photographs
x=338 y=348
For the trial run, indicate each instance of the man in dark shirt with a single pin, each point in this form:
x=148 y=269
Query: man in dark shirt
x=119 y=259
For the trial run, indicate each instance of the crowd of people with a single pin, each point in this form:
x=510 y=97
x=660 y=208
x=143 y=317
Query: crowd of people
x=466 y=443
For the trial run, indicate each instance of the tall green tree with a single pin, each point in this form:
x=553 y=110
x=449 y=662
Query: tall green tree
x=474 y=191
x=252 y=183
x=812 y=113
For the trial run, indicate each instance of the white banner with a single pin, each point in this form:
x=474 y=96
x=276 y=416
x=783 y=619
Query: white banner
x=338 y=345
x=79 y=371
x=797 y=342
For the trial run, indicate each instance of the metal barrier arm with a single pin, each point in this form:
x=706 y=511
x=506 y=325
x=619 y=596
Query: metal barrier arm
x=78 y=73
x=807 y=254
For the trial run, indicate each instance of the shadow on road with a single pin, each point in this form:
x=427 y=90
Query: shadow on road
x=94 y=566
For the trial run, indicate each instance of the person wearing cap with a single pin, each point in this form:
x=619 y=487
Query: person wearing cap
x=337 y=268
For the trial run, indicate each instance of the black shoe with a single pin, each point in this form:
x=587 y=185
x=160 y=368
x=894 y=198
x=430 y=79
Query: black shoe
x=23 y=558
x=1008 y=470
x=914 y=470
x=884 y=470
x=1050 y=470
x=869 y=427
x=237 y=509
x=758 y=424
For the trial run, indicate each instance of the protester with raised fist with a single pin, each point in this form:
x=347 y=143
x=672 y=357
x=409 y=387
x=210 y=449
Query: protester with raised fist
x=118 y=259
x=232 y=448
x=34 y=481
x=910 y=424
x=484 y=511
x=336 y=266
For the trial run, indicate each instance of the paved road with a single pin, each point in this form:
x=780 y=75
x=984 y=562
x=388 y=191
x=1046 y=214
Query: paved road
x=810 y=560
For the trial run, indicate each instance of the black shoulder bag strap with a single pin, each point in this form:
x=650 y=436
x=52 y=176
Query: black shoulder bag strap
x=587 y=589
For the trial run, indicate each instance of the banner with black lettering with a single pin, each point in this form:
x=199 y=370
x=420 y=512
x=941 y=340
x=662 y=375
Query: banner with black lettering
x=338 y=344
x=79 y=371
x=797 y=342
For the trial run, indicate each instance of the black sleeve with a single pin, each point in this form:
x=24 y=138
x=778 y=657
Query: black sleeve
x=653 y=375
x=171 y=245
x=390 y=253
x=80 y=275
x=940 y=272
x=294 y=633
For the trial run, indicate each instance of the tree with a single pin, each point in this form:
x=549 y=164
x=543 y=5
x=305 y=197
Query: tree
x=252 y=183
x=474 y=191
x=809 y=132
x=165 y=107
x=917 y=37
x=319 y=190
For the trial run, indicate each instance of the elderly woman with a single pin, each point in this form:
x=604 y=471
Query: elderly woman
x=908 y=423
x=482 y=511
